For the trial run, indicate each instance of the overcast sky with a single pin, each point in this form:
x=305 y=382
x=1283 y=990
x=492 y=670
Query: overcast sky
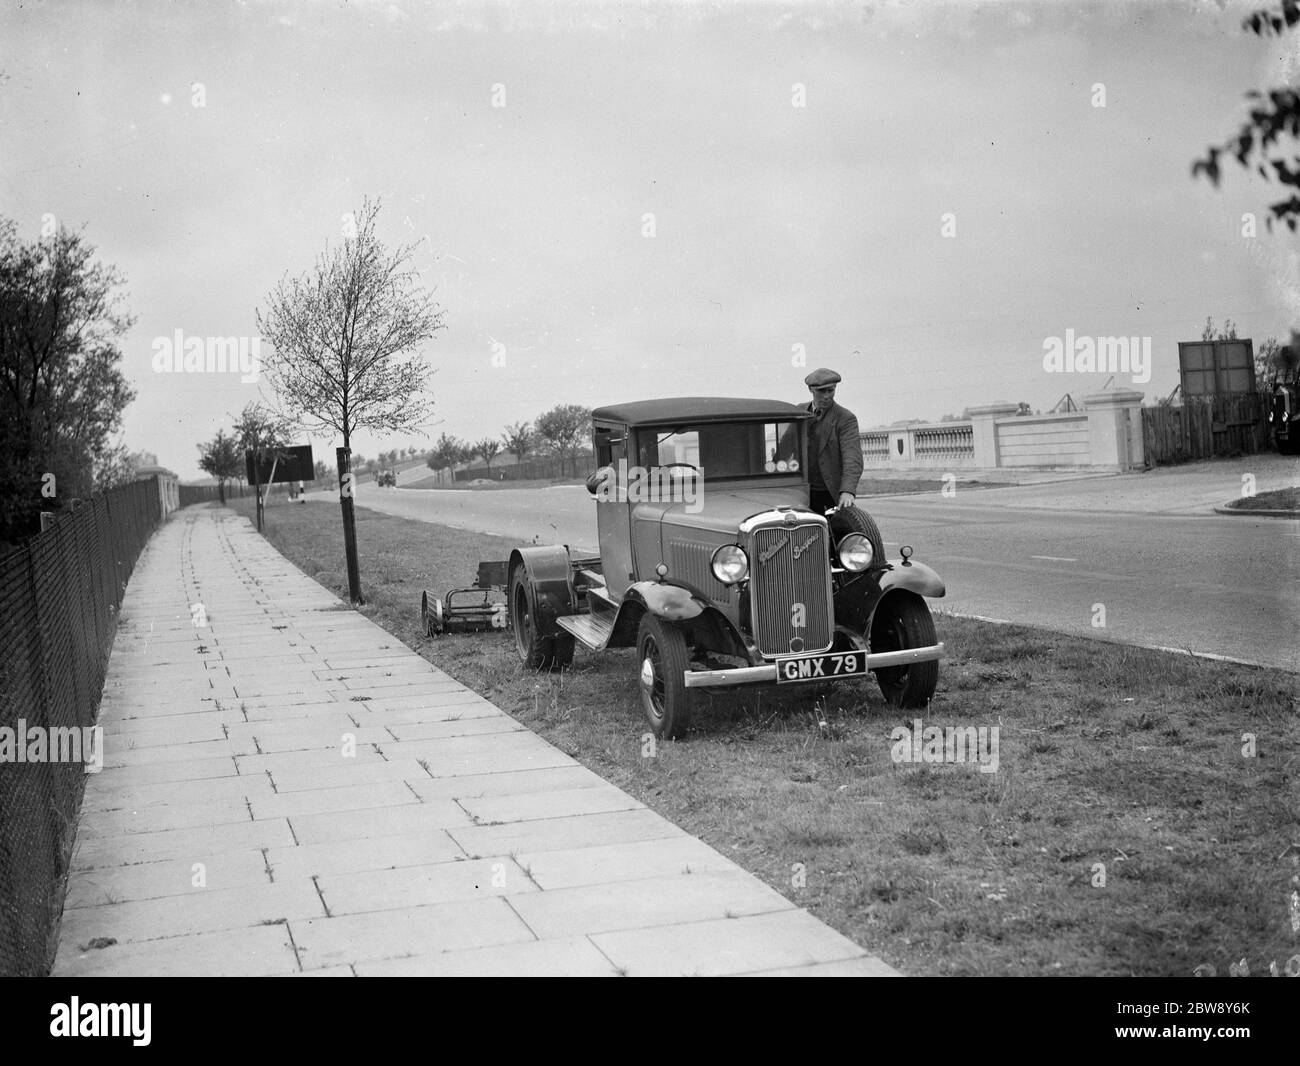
x=775 y=225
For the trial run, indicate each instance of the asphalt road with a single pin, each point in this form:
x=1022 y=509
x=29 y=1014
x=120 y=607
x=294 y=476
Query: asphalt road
x=1210 y=584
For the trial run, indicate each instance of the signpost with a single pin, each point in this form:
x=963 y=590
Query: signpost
x=282 y=465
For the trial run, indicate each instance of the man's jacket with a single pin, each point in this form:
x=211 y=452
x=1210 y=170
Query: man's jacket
x=840 y=458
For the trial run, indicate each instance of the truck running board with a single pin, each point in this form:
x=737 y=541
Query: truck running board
x=592 y=631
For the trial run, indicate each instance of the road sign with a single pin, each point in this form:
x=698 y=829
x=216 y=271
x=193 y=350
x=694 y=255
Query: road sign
x=295 y=464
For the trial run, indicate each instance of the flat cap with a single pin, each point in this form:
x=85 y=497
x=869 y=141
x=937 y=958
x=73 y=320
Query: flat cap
x=821 y=376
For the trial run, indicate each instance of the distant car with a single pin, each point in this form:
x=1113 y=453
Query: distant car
x=387 y=479
x=722 y=576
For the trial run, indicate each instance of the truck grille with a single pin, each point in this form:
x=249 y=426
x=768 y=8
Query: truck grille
x=779 y=580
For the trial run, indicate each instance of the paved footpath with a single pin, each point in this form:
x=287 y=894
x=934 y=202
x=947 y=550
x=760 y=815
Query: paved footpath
x=288 y=789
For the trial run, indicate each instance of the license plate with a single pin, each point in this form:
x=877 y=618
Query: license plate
x=821 y=667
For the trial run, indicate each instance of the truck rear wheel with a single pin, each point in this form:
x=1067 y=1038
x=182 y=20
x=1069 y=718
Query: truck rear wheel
x=537 y=652
x=662 y=659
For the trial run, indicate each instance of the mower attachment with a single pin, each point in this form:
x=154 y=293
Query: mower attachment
x=470 y=609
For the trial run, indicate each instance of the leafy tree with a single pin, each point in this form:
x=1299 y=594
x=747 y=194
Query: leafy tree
x=518 y=439
x=324 y=474
x=345 y=342
x=489 y=448
x=264 y=433
x=221 y=458
x=446 y=453
x=565 y=427
x=62 y=392
x=1273 y=113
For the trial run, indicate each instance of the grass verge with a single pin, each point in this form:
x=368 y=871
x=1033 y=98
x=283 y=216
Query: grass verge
x=1138 y=823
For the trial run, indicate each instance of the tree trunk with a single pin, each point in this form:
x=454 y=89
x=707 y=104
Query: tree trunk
x=344 y=458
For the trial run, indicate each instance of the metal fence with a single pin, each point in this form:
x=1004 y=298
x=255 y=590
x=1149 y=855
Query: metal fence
x=59 y=597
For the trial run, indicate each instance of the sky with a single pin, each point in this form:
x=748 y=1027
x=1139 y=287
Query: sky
x=621 y=202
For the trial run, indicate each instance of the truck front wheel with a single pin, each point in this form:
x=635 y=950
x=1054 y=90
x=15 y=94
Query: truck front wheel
x=662 y=659
x=903 y=621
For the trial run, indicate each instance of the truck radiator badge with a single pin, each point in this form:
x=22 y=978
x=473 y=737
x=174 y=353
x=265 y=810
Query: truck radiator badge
x=799 y=549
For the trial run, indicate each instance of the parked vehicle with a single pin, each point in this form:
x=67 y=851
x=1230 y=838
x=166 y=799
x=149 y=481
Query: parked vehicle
x=713 y=567
x=1284 y=413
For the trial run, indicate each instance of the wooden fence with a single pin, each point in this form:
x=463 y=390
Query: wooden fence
x=1205 y=429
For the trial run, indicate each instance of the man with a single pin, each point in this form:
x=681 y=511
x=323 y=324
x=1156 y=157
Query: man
x=834 y=447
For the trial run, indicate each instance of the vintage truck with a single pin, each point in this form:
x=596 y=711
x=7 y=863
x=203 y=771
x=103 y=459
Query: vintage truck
x=713 y=567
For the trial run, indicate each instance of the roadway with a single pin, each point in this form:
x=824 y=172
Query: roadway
x=1183 y=578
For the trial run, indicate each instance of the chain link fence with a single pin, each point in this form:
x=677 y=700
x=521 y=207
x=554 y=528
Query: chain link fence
x=59 y=597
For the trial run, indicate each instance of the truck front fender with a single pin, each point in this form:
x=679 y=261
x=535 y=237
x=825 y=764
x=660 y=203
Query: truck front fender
x=669 y=602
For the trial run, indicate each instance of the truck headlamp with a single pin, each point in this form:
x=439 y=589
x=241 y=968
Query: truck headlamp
x=730 y=564
x=855 y=552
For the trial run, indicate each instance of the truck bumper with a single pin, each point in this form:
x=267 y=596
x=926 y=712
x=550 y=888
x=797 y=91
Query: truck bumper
x=757 y=675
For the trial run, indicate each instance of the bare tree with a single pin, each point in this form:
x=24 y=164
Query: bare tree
x=345 y=342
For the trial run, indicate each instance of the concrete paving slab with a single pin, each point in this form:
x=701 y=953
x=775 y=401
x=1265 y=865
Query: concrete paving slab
x=569 y=867
x=263 y=951
x=202 y=910
x=372 y=853
x=422 y=886
x=565 y=957
x=508 y=783
x=730 y=946
x=166 y=793
x=554 y=833
x=169 y=877
x=115 y=849
x=346 y=773
x=654 y=902
x=409 y=817
x=297 y=805
x=561 y=803
x=151 y=819
x=356 y=938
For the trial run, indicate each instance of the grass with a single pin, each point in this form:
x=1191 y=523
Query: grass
x=1277 y=500
x=1110 y=757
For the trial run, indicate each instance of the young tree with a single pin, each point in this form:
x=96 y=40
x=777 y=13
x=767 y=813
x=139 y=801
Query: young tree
x=221 y=458
x=62 y=393
x=489 y=448
x=345 y=344
x=518 y=439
